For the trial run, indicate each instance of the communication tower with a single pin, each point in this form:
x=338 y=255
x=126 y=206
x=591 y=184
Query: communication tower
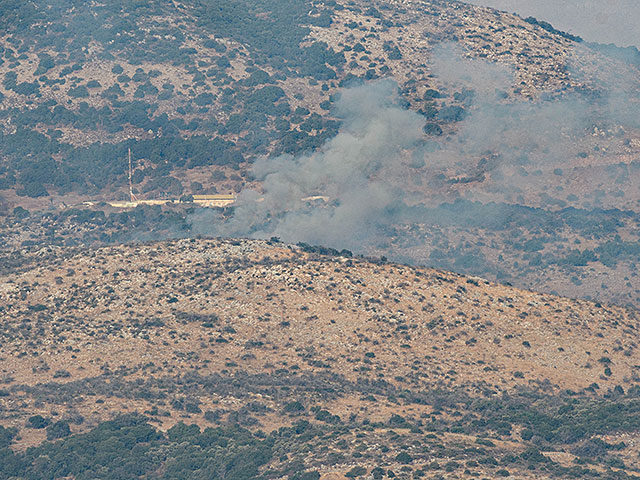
x=131 y=195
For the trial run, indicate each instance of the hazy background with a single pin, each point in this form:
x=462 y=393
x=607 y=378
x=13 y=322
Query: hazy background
x=603 y=21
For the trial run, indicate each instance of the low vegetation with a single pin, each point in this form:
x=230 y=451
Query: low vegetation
x=266 y=360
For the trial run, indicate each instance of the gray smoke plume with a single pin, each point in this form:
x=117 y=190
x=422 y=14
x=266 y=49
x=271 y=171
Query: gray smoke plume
x=356 y=171
x=358 y=190
x=547 y=133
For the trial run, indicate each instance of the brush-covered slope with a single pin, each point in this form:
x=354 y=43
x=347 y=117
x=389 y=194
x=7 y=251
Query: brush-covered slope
x=198 y=86
x=378 y=367
x=539 y=128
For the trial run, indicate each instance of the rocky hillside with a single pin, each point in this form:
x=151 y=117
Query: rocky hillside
x=329 y=365
x=432 y=132
x=523 y=167
x=204 y=88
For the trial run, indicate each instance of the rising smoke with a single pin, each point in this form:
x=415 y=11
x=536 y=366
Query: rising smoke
x=358 y=171
x=369 y=170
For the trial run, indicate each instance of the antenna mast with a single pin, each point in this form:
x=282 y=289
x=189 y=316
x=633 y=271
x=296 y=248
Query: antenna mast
x=131 y=195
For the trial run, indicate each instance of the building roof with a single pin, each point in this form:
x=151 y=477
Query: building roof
x=214 y=197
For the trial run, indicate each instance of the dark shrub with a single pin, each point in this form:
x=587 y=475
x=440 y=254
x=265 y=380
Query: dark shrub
x=58 y=430
x=38 y=421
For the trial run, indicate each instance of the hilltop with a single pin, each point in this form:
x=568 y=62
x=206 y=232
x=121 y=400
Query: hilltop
x=371 y=359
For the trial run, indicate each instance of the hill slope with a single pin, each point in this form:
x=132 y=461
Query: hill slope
x=524 y=167
x=201 y=86
x=262 y=335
